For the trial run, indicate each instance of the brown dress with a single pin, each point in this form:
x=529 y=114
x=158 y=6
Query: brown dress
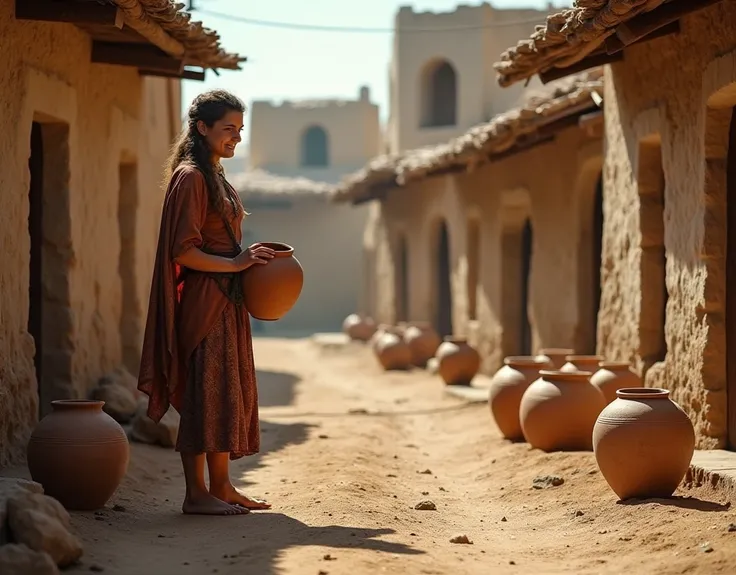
x=197 y=349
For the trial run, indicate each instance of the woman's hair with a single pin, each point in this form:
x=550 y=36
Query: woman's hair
x=191 y=146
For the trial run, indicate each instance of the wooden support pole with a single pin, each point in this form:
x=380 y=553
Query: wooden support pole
x=185 y=74
x=614 y=44
x=69 y=12
x=645 y=24
x=141 y=56
x=592 y=61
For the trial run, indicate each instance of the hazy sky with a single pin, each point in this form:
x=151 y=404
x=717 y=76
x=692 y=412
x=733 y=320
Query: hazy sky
x=295 y=64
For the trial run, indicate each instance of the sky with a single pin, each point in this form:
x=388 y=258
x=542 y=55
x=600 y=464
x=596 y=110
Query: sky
x=288 y=64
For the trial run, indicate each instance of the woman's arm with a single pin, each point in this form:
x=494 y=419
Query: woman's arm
x=196 y=259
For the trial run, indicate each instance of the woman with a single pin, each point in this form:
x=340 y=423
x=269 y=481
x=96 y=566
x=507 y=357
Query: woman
x=197 y=349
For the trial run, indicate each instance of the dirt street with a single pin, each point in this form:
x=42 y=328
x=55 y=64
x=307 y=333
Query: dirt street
x=349 y=451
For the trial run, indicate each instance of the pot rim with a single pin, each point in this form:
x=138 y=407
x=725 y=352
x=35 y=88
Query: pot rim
x=557 y=375
x=614 y=364
x=584 y=358
x=282 y=250
x=455 y=339
x=556 y=351
x=642 y=393
x=77 y=403
x=523 y=361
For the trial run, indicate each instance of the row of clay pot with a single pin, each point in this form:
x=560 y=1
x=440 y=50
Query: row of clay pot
x=643 y=441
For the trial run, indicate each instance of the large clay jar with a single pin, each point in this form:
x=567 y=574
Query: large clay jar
x=589 y=363
x=423 y=342
x=507 y=387
x=558 y=411
x=271 y=290
x=359 y=328
x=554 y=356
x=457 y=361
x=643 y=443
x=614 y=375
x=392 y=352
x=79 y=454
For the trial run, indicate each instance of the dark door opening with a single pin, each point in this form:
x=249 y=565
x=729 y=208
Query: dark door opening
x=525 y=343
x=597 y=255
x=444 y=291
x=35 y=230
x=402 y=280
x=731 y=283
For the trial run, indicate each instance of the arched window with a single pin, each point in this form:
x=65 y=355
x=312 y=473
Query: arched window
x=315 y=148
x=438 y=94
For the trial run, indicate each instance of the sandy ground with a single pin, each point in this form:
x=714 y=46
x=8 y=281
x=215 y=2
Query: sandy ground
x=348 y=451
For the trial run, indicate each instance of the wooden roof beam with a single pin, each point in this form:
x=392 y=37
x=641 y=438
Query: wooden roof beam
x=69 y=12
x=140 y=56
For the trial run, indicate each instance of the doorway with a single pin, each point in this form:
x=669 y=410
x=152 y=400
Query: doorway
x=443 y=311
x=597 y=262
x=525 y=340
x=402 y=280
x=130 y=328
x=35 y=231
x=731 y=281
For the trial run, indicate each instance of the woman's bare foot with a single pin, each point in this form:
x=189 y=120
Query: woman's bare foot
x=234 y=497
x=208 y=504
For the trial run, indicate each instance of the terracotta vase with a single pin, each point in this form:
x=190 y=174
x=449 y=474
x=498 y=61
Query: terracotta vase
x=381 y=330
x=271 y=290
x=643 y=443
x=423 y=342
x=614 y=375
x=558 y=411
x=392 y=352
x=79 y=454
x=589 y=363
x=457 y=361
x=507 y=387
x=554 y=356
x=358 y=327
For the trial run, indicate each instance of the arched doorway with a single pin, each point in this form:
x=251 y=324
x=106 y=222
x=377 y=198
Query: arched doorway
x=438 y=93
x=443 y=309
x=315 y=148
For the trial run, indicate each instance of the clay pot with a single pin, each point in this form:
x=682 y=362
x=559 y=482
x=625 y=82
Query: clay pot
x=507 y=387
x=400 y=328
x=558 y=411
x=554 y=356
x=589 y=363
x=78 y=453
x=614 y=375
x=643 y=443
x=359 y=328
x=457 y=361
x=423 y=342
x=392 y=352
x=381 y=330
x=271 y=290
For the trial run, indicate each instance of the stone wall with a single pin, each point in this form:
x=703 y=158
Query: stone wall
x=554 y=186
x=103 y=129
x=668 y=109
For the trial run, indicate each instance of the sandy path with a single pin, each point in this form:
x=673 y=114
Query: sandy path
x=344 y=484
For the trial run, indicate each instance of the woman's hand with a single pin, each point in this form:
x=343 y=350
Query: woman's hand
x=255 y=254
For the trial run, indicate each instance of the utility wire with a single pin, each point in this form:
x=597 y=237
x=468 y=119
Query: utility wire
x=318 y=28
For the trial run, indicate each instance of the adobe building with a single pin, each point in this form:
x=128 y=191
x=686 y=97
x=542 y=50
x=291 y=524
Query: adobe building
x=327 y=240
x=493 y=234
x=91 y=102
x=669 y=245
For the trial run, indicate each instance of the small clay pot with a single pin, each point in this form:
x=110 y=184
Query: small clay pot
x=423 y=342
x=358 y=327
x=614 y=375
x=589 y=363
x=558 y=411
x=458 y=362
x=643 y=443
x=381 y=330
x=507 y=387
x=392 y=352
x=271 y=290
x=79 y=454
x=554 y=356
x=400 y=328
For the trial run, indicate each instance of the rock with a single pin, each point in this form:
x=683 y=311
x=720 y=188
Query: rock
x=145 y=430
x=546 y=481
x=41 y=523
x=120 y=403
x=426 y=506
x=732 y=527
x=121 y=376
x=9 y=487
x=706 y=547
x=18 y=559
x=462 y=539
x=425 y=472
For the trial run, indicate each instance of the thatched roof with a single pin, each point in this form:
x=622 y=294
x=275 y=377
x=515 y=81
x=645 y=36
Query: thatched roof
x=568 y=36
x=262 y=183
x=542 y=108
x=167 y=25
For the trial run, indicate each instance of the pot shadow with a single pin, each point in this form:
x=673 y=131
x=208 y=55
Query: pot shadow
x=683 y=502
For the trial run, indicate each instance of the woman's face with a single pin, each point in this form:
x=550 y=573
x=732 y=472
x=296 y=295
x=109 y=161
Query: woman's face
x=224 y=134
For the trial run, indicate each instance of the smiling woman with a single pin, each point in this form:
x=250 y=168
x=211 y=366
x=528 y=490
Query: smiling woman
x=197 y=350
